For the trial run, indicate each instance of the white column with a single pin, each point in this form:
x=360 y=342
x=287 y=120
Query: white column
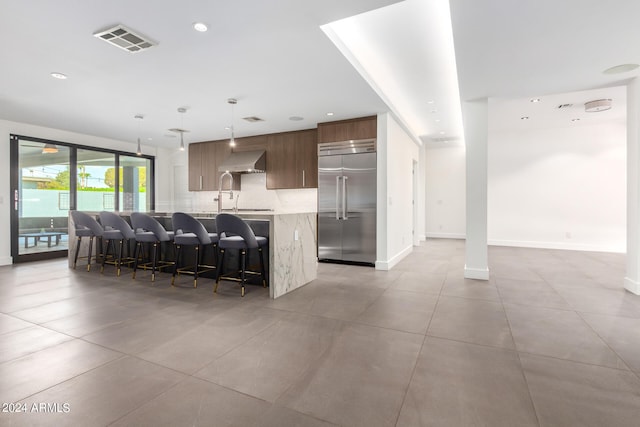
x=632 y=279
x=475 y=115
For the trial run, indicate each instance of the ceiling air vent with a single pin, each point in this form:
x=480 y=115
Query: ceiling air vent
x=562 y=106
x=125 y=38
x=253 y=119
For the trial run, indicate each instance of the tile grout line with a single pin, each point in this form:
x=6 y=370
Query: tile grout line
x=415 y=365
x=515 y=346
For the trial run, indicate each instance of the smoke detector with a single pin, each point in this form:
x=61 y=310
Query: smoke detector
x=597 y=105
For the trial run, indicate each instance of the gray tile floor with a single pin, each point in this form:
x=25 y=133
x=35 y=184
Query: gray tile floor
x=552 y=339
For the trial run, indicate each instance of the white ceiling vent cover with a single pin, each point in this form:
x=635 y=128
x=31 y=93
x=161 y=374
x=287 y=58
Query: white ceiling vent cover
x=597 y=105
x=125 y=38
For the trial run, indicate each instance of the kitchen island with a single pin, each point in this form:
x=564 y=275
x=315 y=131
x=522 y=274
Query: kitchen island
x=292 y=260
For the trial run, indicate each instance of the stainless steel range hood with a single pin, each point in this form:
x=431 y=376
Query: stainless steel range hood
x=244 y=162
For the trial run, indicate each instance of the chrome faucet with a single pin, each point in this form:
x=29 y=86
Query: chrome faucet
x=220 y=189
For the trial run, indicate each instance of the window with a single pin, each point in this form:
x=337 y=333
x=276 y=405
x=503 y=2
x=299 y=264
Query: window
x=49 y=178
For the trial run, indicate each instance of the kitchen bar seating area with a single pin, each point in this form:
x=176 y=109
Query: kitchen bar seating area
x=181 y=243
x=164 y=247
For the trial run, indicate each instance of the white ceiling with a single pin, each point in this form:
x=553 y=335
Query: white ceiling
x=277 y=61
x=272 y=56
x=514 y=49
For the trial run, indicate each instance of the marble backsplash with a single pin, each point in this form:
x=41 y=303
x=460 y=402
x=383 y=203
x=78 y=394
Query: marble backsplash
x=254 y=194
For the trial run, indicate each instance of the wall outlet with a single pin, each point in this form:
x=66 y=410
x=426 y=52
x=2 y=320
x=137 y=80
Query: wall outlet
x=296 y=236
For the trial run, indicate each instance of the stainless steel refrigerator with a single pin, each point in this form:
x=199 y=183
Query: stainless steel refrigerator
x=347 y=202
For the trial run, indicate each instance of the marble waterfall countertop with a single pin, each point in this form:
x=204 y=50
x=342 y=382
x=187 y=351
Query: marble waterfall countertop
x=293 y=247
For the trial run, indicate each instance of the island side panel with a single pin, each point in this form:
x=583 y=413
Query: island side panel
x=294 y=262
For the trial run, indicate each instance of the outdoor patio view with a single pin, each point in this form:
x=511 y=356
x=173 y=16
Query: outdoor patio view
x=47 y=190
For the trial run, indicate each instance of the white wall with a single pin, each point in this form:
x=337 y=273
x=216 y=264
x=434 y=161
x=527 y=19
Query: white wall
x=396 y=154
x=6 y=128
x=559 y=188
x=445 y=191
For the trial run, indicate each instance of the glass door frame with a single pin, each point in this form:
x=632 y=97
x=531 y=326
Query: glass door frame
x=14 y=153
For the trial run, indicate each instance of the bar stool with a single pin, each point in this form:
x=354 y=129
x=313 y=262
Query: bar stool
x=235 y=233
x=149 y=230
x=190 y=232
x=115 y=229
x=85 y=226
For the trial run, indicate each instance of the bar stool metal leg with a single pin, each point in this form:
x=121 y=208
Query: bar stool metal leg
x=262 y=272
x=136 y=253
x=90 y=250
x=175 y=266
x=195 y=274
x=219 y=269
x=75 y=258
x=243 y=266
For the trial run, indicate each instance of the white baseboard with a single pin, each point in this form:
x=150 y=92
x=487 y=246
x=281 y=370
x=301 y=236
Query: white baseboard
x=476 y=273
x=632 y=286
x=558 y=245
x=422 y=237
x=445 y=236
x=388 y=265
x=7 y=260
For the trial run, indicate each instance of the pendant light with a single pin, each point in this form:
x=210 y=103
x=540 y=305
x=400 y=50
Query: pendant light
x=181 y=130
x=232 y=140
x=139 y=117
x=49 y=148
x=182 y=110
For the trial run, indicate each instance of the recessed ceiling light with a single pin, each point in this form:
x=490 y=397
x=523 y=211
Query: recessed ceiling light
x=329 y=114
x=622 y=68
x=296 y=118
x=227 y=128
x=430 y=102
x=534 y=100
x=524 y=118
x=442 y=132
x=149 y=139
x=199 y=26
x=437 y=120
x=59 y=76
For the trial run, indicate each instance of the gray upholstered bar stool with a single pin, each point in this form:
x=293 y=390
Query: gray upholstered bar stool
x=115 y=229
x=85 y=226
x=190 y=232
x=149 y=230
x=235 y=233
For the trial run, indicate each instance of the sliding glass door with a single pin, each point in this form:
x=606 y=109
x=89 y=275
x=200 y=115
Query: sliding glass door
x=134 y=184
x=94 y=185
x=49 y=178
x=42 y=198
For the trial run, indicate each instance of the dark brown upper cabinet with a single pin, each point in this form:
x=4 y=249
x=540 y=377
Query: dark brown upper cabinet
x=345 y=130
x=292 y=160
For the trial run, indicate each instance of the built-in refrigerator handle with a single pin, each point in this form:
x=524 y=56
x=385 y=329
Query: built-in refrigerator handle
x=338 y=197
x=345 y=214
